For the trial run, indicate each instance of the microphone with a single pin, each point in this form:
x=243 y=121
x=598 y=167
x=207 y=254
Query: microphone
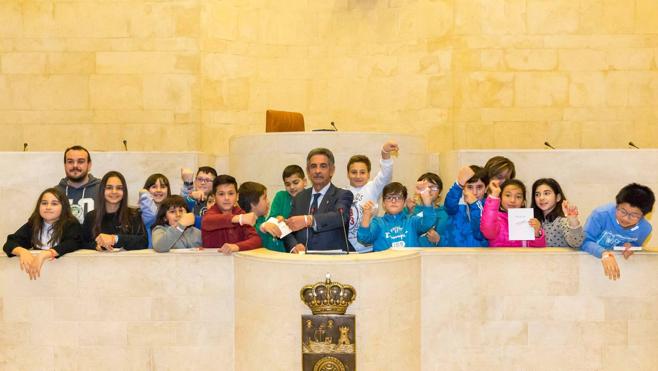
x=308 y=231
x=342 y=222
x=125 y=145
x=549 y=145
x=25 y=147
x=631 y=144
x=334 y=126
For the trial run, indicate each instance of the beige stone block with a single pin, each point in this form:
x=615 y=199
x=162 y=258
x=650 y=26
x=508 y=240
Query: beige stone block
x=630 y=59
x=564 y=134
x=29 y=63
x=540 y=89
x=152 y=333
x=520 y=134
x=175 y=309
x=122 y=116
x=607 y=17
x=485 y=89
x=174 y=92
x=582 y=60
x=55 y=333
x=606 y=134
x=220 y=20
x=93 y=20
x=12 y=25
x=531 y=59
x=641 y=332
x=236 y=93
x=136 y=62
x=37 y=19
x=71 y=62
x=645 y=134
x=575 y=308
x=216 y=332
x=492 y=59
x=27 y=309
x=149 y=20
x=59 y=92
x=102 y=358
x=587 y=89
x=103 y=333
x=631 y=308
x=645 y=17
x=439 y=91
x=115 y=92
x=636 y=357
x=474 y=135
x=23 y=357
x=552 y=17
x=14 y=333
x=595 y=334
x=528 y=307
x=490 y=17
x=194 y=358
x=631 y=88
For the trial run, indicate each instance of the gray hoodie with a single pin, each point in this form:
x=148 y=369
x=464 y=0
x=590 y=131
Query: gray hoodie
x=82 y=199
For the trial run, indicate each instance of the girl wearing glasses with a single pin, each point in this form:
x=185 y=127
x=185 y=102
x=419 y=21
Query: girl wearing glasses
x=433 y=236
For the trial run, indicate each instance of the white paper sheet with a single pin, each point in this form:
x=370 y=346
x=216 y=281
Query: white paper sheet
x=283 y=227
x=519 y=227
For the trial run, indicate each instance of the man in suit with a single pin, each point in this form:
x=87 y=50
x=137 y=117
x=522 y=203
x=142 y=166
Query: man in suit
x=320 y=213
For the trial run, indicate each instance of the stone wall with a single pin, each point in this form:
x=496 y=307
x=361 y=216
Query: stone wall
x=186 y=75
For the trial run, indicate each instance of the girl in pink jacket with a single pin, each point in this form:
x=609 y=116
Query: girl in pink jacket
x=494 y=215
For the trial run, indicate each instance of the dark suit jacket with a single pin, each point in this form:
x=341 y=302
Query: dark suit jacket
x=328 y=234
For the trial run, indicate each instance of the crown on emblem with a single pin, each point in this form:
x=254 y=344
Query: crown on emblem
x=328 y=297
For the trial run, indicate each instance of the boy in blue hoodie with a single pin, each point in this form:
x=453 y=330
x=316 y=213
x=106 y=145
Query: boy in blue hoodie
x=463 y=204
x=396 y=228
x=619 y=224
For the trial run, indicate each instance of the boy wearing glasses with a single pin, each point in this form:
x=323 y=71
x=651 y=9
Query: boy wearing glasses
x=619 y=225
x=197 y=191
x=396 y=228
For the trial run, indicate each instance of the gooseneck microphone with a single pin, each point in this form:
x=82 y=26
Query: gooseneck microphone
x=342 y=222
x=549 y=145
x=25 y=147
x=125 y=145
x=334 y=126
x=631 y=144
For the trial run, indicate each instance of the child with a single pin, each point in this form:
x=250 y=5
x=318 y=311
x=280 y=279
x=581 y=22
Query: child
x=156 y=188
x=464 y=206
x=396 y=228
x=494 y=224
x=52 y=228
x=225 y=226
x=198 y=192
x=364 y=190
x=620 y=224
x=295 y=182
x=433 y=236
x=112 y=224
x=500 y=169
x=558 y=217
x=253 y=199
x=174 y=226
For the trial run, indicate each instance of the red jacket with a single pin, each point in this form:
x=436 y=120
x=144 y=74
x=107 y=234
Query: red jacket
x=217 y=229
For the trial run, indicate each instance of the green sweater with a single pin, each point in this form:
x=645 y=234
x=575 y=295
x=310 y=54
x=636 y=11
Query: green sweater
x=281 y=206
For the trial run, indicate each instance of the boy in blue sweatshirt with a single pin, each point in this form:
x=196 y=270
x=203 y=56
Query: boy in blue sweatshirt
x=463 y=204
x=619 y=224
x=396 y=228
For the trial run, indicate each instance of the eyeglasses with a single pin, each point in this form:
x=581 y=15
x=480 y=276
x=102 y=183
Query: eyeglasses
x=629 y=215
x=393 y=198
x=433 y=188
x=204 y=180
